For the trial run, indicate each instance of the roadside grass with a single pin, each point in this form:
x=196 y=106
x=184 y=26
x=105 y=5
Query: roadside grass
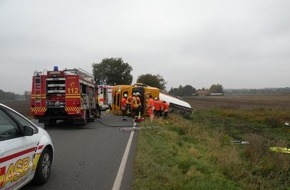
x=197 y=153
x=237 y=122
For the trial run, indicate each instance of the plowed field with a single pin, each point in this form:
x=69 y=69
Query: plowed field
x=22 y=106
x=258 y=101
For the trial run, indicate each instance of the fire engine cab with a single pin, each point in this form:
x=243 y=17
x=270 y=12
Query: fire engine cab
x=63 y=95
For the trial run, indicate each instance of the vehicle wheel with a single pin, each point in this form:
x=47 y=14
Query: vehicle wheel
x=50 y=123
x=43 y=167
x=46 y=125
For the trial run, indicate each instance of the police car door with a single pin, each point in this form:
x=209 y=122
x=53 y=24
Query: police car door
x=16 y=151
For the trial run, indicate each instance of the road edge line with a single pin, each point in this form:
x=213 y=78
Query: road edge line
x=120 y=174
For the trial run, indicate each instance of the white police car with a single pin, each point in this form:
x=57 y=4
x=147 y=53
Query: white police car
x=26 y=151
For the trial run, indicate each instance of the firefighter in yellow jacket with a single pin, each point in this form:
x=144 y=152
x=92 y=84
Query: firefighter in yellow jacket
x=134 y=106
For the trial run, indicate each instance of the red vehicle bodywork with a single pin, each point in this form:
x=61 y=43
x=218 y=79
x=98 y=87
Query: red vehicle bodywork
x=63 y=95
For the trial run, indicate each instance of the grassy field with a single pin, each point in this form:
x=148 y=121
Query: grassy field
x=198 y=153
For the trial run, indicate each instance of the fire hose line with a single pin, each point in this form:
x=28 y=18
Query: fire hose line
x=107 y=125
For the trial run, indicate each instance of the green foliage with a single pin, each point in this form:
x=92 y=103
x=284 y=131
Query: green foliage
x=112 y=71
x=187 y=90
x=216 y=88
x=152 y=80
x=7 y=95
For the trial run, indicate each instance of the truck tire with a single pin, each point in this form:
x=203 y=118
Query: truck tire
x=50 y=123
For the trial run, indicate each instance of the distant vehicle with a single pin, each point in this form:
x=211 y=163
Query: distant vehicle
x=216 y=94
x=68 y=94
x=26 y=151
x=105 y=96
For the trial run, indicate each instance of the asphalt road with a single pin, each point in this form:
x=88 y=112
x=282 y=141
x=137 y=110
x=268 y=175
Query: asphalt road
x=89 y=157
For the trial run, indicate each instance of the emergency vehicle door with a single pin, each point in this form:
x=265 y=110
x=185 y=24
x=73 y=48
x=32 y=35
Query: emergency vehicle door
x=16 y=151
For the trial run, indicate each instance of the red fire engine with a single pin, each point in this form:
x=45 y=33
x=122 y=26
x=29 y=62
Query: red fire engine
x=63 y=95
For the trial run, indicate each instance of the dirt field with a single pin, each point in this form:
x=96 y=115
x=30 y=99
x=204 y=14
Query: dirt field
x=21 y=106
x=258 y=101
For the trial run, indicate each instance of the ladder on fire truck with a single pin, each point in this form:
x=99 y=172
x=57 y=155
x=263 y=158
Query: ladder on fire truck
x=82 y=73
x=37 y=89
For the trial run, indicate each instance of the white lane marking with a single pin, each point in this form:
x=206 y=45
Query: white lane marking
x=120 y=174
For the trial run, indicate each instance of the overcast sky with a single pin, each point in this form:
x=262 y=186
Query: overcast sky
x=235 y=43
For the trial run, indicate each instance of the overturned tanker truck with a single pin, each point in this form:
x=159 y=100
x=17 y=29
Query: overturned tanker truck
x=175 y=104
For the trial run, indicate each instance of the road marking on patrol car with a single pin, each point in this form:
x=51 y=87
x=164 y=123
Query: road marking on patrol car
x=120 y=174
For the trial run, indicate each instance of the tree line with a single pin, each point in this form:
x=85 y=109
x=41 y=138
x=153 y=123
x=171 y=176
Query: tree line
x=113 y=71
x=7 y=95
x=13 y=96
x=264 y=91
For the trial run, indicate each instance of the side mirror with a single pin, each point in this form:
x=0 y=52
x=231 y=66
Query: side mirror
x=28 y=131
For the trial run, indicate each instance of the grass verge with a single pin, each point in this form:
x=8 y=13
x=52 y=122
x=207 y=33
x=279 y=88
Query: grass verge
x=197 y=154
